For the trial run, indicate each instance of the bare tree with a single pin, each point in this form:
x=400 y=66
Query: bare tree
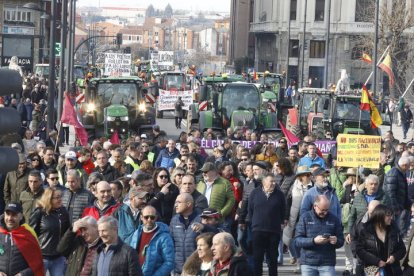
x=395 y=29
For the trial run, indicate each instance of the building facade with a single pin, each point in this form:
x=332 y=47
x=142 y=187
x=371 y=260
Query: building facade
x=281 y=45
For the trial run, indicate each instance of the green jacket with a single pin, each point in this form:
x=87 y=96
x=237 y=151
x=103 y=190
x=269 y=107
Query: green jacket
x=14 y=185
x=360 y=206
x=337 y=180
x=222 y=195
x=28 y=201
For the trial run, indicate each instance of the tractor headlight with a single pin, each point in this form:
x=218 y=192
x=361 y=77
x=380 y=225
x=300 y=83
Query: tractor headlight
x=142 y=107
x=110 y=119
x=90 y=107
x=124 y=118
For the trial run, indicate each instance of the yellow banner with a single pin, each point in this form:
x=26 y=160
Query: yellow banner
x=358 y=150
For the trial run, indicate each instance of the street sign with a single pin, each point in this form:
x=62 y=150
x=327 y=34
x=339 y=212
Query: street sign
x=58 y=48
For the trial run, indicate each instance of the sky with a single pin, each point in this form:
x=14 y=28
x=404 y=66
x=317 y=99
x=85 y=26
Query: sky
x=195 y=5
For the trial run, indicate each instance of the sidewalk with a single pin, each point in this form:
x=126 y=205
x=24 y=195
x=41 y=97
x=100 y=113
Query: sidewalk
x=398 y=132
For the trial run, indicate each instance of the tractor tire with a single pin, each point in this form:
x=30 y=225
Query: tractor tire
x=296 y=131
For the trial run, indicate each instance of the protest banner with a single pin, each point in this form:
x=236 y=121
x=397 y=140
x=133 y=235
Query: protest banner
x=117 y=64
x=323 y=145
x=167 y=99
x=358 y=151
x=165 y=58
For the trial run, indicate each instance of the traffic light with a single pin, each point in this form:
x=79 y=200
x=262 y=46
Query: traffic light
x=11 y=83
x=119 y=39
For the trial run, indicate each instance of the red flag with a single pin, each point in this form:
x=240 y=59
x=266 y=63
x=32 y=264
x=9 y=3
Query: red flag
x=69 y=117
x=292 y=139
x=115 y=138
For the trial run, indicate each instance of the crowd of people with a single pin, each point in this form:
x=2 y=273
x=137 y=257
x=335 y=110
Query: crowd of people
x=152 y=205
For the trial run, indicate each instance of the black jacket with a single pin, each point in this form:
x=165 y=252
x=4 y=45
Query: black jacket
x=124 y=261
x=367 y=247
x=247 y=190
x=395 y=185
x=164 y=204
x=49 y=229
x=76 y=202
x=109 y=173
x=74 y=248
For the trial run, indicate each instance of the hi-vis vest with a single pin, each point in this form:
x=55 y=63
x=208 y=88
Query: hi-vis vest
x=130 y=161
x=151 y=156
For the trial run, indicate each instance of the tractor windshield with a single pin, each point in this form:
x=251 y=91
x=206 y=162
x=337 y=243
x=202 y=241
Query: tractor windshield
x=117 y=93
x=174 y=81
x=240 y=98
x=349 y=110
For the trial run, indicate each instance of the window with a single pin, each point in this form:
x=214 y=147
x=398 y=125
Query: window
x=319 y=10
x=156 y=33
x=293 y=9
x=364 y=10
x=11 y=14
x=358 y=51
x=294 y=48
x=317 y=49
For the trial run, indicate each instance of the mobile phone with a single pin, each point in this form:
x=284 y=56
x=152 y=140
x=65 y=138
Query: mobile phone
x=326 y=236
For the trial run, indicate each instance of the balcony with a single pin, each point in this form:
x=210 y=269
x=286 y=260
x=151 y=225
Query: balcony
x=264 y=27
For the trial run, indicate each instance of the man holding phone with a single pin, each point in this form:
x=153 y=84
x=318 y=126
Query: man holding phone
x=319 y=234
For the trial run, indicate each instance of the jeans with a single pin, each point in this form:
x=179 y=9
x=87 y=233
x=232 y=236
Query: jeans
x=265 y=243
x=313 y=270
x=178 y=121
x=280 y=250
x=56 y=267
x=405 y=127
x=294 y=250
x=403 y=221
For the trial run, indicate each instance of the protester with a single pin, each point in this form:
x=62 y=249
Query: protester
x=103 y=167
x=104 y=205
x=30 y=196
x=199 y=263
x=188 y=186
x=16 y=181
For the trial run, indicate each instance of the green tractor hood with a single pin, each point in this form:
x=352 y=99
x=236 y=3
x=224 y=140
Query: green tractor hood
x=116 y=110
x=269 y=96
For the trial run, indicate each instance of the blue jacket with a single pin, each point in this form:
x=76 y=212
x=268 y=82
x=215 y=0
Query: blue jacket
x=312 y=193
x=127 y=224
x=184 y=239
x=307 y=161
x=310 y=226
x=159 y=259
x=166 y=159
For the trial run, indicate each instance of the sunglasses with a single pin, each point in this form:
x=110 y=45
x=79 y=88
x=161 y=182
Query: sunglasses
x=54 y=178
x=244 y=159
x=149 y=217
x=163 y=176
x=35 y=160
x=179 y=174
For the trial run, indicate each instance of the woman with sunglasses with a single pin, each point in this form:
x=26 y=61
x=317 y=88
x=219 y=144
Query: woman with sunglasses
x=165 y=194
x=35 y=162
x=380 y=245
x=177 y=176
x=50 y=220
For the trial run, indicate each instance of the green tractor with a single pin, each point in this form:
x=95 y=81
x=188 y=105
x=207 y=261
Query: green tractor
x=324 y=114
x=116 y=104
x=234 y=105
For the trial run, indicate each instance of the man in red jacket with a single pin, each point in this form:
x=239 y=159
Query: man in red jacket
x=104 y=204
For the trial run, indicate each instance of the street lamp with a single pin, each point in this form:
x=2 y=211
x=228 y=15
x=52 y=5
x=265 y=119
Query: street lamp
x=51 y=84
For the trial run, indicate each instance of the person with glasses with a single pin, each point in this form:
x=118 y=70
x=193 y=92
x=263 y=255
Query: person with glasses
x=52 y=180
x=30 y=196
x=154 y=244
x=50 y=220
x=145 y=149
x=35 y=162
x=380 y=243
x=165 y=194
x=177 y=176
x=282 y=148
x=185 y=226
x=319 y=234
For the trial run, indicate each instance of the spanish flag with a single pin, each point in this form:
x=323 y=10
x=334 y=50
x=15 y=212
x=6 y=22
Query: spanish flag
x=368 y=104
x=366 y=58
x=386 y=66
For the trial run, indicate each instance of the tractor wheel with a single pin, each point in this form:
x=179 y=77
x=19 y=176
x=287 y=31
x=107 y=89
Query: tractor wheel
x=318 y=131
x=296 y=131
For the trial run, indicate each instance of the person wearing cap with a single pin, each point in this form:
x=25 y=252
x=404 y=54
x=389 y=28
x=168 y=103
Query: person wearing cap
x=103 y=167
x=71 y=163
x=104 y=205
x=19 y=248
x=211 y=218
x=166 y=157
x=30 y=196
x=128 y=214
x=154 y=244
x=16 y=181
x=79 y=244
x=321 y=187
x=312 y=157
x=221 y=197
x=303 y=182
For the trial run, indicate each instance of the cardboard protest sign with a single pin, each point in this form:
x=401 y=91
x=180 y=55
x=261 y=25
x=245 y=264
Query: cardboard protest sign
x=358 y=150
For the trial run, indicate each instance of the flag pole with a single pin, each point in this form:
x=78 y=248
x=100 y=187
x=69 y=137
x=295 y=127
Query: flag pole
x=408 y=87
x=378 y=63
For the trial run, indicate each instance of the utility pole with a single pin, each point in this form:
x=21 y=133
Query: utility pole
x=375 y=61
x=303 y=43
x=63 y=37
x=52 y=80
x=288 y=48
x=328 y=32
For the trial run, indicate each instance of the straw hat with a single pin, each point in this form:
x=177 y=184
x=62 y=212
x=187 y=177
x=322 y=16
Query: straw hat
x=351 y=172
x=302 y=170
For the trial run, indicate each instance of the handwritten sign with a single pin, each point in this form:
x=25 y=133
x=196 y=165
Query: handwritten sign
x=117 y=64
x=323 y=145
x=358 y=150
x=167 y=99
x=165 y=58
